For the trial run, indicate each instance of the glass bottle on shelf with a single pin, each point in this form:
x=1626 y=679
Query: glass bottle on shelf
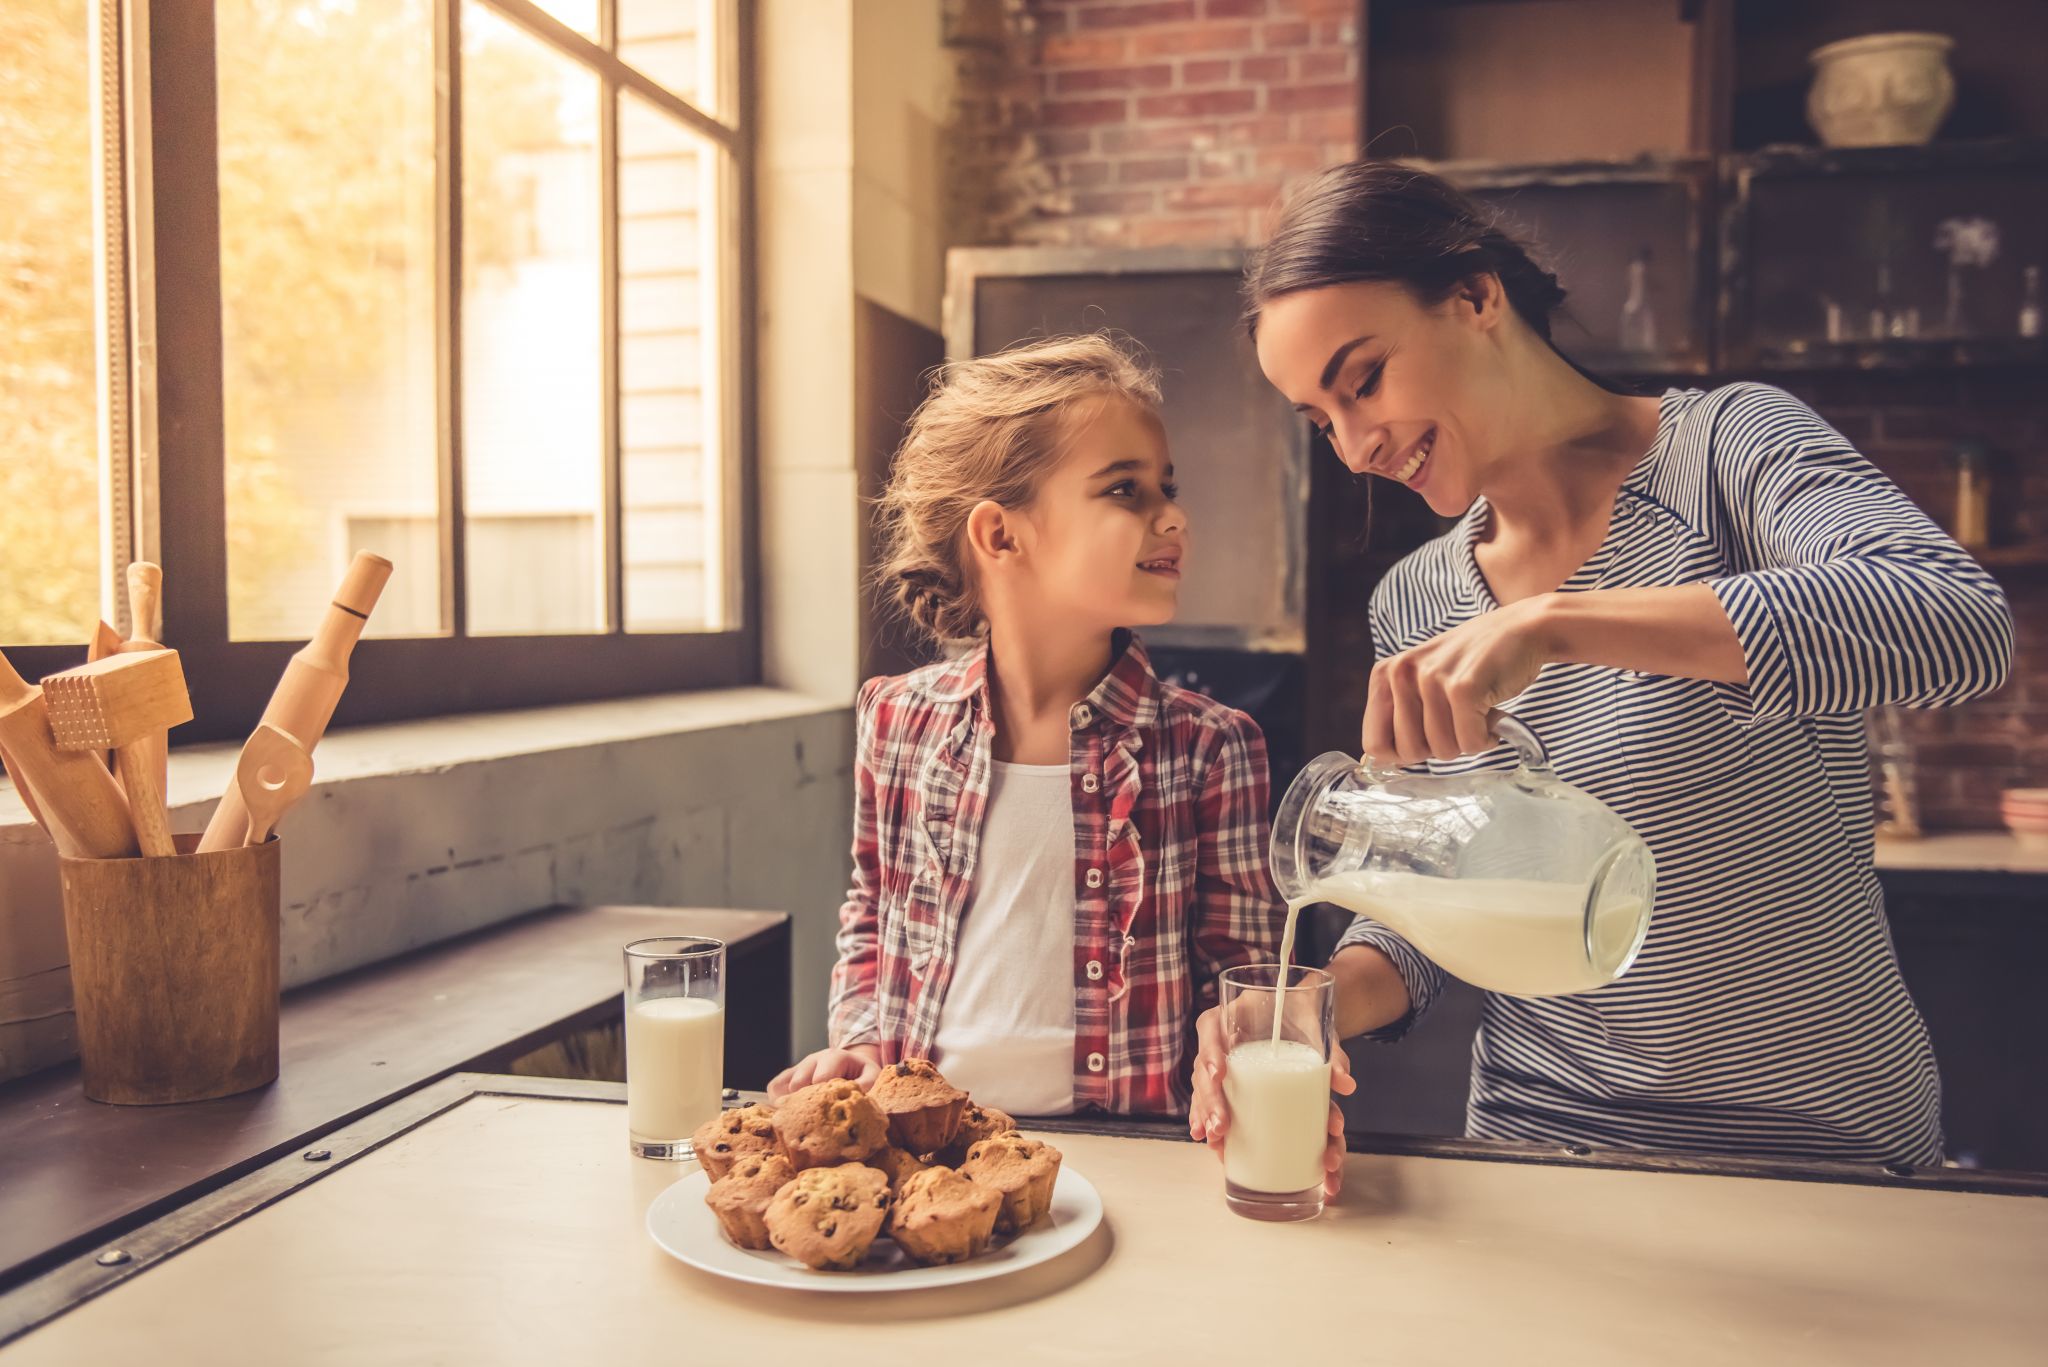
x=1972 y=528
x=1971 y=244
x=1638 y=323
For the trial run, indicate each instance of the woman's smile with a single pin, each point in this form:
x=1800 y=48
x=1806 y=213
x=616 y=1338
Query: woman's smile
x=1412 y=467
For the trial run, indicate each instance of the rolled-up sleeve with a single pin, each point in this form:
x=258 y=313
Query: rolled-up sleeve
x=1423 y=979
x=1847 y=596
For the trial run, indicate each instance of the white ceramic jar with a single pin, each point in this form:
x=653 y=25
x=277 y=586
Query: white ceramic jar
x=1881 y=90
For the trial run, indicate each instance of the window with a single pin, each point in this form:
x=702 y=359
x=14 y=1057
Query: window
x=455 y=281
x=50 y=473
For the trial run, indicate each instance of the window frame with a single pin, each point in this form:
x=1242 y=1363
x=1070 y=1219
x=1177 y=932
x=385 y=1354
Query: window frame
x=174 y=410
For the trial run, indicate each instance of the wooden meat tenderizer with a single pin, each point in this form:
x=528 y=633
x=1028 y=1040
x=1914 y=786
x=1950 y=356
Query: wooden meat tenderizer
x=105 y=642
x=80 y=804
x=311 y=687
x=124 y=702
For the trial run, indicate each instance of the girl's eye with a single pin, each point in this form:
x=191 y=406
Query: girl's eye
x=1123 y=488
x=1172 y=492
x=1372 y=381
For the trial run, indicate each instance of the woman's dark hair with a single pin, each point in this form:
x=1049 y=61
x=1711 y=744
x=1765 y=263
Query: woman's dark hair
x=1380 y=220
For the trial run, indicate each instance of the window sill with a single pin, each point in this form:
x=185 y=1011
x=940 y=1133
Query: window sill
x=416 y=832
x=200 y=773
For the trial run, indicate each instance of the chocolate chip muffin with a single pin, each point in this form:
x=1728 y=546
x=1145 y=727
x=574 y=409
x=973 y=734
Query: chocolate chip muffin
x=1022 y=1171
x=977 y=1123
x=828 y=1218
x=740 y=1198
x=829 y=1122
x=723 y=1141
x=898 y=1165
x=942 y=1217
x=923 y=1108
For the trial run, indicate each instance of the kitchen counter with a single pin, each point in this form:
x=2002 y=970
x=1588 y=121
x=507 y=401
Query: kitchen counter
x=1963 y=852
x=502 y=1220
x=74 y=1171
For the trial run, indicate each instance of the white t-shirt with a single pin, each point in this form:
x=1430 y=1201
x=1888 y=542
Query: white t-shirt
x=1006 y=1028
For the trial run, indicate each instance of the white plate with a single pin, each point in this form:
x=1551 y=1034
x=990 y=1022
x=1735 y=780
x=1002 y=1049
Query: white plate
x=685 y=1228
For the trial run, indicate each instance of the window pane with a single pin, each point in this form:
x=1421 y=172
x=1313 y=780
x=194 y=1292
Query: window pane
x=687 y=45
x=580 y=15
x=49 y=470
x=327 y=302
x=673 y=371
x=532 y=334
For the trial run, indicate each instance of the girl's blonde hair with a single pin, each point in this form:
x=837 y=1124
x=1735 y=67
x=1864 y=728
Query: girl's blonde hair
x=990 y=430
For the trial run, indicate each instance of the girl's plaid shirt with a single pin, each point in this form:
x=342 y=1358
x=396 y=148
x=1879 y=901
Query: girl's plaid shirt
x=1170 y=879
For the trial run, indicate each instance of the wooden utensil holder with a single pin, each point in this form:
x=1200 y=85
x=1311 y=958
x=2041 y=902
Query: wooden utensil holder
x=174 y=972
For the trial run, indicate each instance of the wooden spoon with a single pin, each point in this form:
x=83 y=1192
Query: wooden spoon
x=273 y=773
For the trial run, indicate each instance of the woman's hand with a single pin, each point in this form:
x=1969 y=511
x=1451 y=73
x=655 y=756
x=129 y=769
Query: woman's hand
x=862 y=1063
x=1209 y=1112
x=1430 y=702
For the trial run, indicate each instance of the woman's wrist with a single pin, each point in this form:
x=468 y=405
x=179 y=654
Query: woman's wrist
x=1552 y=624
x=1368 y=989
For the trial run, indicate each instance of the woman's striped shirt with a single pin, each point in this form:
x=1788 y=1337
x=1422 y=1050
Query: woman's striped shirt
x=1766 y=1013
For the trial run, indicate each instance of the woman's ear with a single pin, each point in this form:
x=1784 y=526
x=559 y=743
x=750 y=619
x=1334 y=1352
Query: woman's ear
x=1481 y=299
x=991 y=534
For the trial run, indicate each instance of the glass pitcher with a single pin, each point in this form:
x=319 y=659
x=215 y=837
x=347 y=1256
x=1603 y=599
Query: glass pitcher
x=1516 y=882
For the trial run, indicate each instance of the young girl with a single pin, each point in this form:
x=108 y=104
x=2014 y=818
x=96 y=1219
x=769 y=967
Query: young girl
x=1055 y=854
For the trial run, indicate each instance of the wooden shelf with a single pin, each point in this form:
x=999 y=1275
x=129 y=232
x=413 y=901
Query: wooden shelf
x=1900 y=354
x=1807 y=159
x=2026 y=555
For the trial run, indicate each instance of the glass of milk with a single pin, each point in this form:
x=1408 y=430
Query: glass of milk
x=675 y=1041
x=1276 y=1077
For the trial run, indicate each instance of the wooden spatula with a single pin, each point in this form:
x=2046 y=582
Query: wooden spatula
x=313 y=681
x=105 y=641
x=273 y=773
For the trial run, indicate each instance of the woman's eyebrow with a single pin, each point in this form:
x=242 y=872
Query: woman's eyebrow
x=1336 y=361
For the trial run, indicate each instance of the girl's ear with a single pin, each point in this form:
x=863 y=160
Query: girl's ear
x=991 y=534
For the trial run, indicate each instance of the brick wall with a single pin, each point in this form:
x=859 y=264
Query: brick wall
x=1174 y=122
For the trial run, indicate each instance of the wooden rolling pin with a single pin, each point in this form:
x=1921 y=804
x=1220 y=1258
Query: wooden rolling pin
x=125 y=701
x=312 y=684
x=145 y=632
x=81 y=805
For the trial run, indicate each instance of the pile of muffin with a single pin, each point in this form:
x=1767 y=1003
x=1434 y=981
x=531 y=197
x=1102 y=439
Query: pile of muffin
x=832 y=1169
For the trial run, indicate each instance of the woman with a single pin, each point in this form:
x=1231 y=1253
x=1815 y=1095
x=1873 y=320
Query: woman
x=1691 y=599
